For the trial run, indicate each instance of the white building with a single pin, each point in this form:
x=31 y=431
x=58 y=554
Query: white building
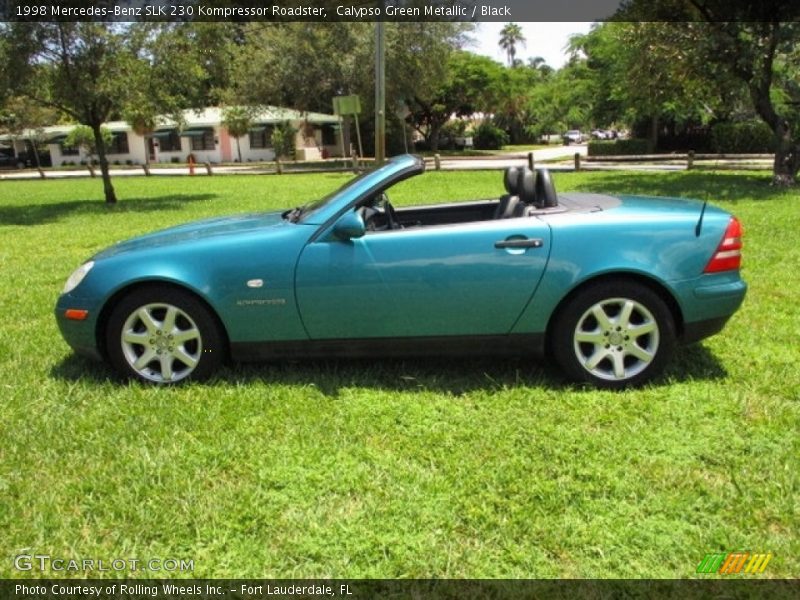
x=202 y=135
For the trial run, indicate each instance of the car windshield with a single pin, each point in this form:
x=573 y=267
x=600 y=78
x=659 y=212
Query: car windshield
x=296 y=215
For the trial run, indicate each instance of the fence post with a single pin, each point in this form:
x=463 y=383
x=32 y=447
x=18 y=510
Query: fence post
x=530 y=161
x=577 y=161
x=690 y=160
x=355 y=163
x=208 y=168
x=437 y=162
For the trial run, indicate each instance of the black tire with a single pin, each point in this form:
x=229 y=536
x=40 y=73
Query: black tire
x=613 y=334
x=162 y=335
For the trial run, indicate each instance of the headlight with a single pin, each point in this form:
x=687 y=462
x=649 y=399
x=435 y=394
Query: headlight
x=77 y=276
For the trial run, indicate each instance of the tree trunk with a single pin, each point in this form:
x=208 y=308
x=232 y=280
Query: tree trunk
x=35 y=153
x=239 y=149
x=434 y=138
x=100 y=145
x=146 y=152
x=787 y=157
x=652 y=138
x=787 y=150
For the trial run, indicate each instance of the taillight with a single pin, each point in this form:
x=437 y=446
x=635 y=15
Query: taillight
x=728 y=256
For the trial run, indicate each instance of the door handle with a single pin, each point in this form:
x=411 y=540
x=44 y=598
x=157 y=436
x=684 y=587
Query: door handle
x=520 y=243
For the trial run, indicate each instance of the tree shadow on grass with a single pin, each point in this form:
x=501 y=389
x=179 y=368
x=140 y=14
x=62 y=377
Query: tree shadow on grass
x=39 y=214
x=717 y=186
x=455 y=376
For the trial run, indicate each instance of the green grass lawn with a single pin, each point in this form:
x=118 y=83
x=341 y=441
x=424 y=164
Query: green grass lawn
x=470 y=468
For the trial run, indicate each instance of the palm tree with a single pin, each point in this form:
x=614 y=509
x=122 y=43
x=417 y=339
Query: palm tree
x=238 y=120
x=535 y=62
x=510 y=36
x=143 y=124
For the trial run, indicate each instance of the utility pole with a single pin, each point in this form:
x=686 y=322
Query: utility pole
x=380 y=93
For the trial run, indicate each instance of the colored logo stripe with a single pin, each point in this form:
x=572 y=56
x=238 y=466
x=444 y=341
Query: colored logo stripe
x=758 y=563
x=730 y=564
x=710 y=563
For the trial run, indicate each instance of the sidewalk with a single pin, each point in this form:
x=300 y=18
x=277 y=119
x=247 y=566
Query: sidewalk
x=555 y=158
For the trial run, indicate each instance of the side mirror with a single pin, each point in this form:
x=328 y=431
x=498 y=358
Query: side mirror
x=349 y=226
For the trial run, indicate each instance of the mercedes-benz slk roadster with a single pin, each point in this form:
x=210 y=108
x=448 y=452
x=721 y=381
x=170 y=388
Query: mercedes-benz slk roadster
x=605 y=285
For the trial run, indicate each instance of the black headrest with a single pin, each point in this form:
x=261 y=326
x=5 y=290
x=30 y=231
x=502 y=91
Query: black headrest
x=527 y=186
x=545 y=190
x=511 y=180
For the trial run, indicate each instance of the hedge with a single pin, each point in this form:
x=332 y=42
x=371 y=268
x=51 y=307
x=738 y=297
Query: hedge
x=747 y=137
x=488 y=136
x=617 y=147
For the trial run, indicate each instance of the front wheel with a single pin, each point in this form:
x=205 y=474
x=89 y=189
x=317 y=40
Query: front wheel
x=163 y=335
x=614 y=334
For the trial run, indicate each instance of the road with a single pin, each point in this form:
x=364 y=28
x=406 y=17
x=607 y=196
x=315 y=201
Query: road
x=518 y=159
x=500 y=161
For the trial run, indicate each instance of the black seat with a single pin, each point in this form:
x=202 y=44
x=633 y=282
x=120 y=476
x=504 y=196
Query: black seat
x=509 y=202
x=536 y=192
x=527 y=191
x=546 y=196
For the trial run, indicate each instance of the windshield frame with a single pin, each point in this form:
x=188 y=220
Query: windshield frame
x=360 y=188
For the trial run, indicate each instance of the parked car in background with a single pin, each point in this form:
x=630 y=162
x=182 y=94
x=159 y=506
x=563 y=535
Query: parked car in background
x=604 y=134
x=606 y=285
x=9 y=161
x=573 y=136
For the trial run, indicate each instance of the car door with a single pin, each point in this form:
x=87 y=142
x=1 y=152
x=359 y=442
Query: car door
x=468 y=279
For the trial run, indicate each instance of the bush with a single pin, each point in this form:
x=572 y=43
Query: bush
x=742 y=138
x=489 y=137
x=617 y=147
x=283 y=140
x=449 y=132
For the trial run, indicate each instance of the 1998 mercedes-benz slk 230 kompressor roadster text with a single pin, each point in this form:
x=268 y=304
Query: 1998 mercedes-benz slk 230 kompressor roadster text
x=607 y=285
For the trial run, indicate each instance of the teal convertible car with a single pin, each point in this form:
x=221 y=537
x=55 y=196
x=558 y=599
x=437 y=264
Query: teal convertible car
x=606 y=285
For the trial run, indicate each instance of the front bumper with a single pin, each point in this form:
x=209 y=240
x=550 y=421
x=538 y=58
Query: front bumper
x=80 y=335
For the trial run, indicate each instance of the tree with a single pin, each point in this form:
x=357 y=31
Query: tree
x=755 y=44
x=304 y=65
x=763 y=56
x=81 y=69
x=25 y=121
x=238 y=120
x=471 y=84
x=95 y=71
x=301 y=65
x=511 y=102
x=510 y=36
x=143 y=120
x=174 y=80
x=83 y=137
x=283 y=140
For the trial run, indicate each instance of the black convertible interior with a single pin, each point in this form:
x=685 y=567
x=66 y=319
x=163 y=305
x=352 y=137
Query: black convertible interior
x=528 y=192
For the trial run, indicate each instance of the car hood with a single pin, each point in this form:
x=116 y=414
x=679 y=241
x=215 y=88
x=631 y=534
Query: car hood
x=197 y=231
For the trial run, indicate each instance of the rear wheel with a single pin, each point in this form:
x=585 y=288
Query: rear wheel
x=163 y=335
x=614 y=334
